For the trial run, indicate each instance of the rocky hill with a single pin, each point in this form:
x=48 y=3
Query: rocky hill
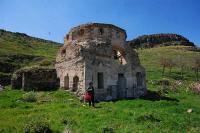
x=155 y=40
x=19 y=50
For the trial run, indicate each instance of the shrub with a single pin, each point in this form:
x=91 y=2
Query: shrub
x=38 y=125
x=30 y=97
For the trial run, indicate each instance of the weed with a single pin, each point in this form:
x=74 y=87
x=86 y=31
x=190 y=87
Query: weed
x=30 y=97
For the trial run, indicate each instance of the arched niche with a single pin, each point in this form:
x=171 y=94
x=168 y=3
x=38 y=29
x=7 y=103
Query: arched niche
x=66 y=82
x=75 y=83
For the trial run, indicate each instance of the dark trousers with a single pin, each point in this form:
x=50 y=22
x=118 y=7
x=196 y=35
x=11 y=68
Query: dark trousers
x=92 y=101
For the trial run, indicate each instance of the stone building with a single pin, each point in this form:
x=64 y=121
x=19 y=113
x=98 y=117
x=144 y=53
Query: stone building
x=98 y=52
x=35 y=78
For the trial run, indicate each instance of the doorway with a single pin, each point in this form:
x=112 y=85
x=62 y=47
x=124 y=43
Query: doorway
x=121 y=83
x=139 y=79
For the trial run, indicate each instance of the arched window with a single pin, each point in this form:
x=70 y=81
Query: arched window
x=139 y=78
x=101 y=31
x=117 y=35
x=75 y=83
x=67 y=37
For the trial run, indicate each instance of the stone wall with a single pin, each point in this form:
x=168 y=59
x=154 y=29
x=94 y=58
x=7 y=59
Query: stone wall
x=35 y=78
x=99 y=53
x=127 y=87
x=70 y=68
x=91 y=31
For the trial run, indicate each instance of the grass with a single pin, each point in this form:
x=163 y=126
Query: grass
x=21 y=44
x=150 y=60
x=63 y=111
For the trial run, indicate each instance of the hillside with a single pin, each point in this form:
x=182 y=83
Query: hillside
x=19 y=50
x=165 y=111
x=154 y=40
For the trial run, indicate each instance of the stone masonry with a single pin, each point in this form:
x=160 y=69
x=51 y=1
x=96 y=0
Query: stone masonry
x=98 y=52
x=35 y=78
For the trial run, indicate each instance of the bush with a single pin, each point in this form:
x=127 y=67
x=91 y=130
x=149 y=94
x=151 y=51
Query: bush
x=38 y=125
x=30 y=97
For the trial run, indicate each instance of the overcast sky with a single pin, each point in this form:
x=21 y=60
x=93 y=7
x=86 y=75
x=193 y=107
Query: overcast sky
x=52 y=19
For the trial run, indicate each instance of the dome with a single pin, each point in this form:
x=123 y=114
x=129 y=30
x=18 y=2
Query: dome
x=92 y=31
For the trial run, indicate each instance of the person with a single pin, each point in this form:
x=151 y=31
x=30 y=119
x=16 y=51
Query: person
x=90 y=91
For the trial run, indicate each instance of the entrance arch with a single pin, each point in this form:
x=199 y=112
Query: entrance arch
x=75 y=83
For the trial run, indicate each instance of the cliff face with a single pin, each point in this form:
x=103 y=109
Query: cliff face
x=154 y=40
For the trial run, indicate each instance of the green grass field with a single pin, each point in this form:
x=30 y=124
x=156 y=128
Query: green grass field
x=62 y=111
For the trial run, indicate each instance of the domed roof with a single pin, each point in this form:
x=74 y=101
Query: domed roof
x=87 y=25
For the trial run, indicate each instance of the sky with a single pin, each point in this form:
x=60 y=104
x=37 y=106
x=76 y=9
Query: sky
x=52 y=19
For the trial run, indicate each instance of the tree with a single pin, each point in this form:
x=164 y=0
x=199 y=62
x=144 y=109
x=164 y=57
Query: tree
x=166 y=63
x=170 y=65
x=196 y=66
x=163 y=62
x=181 y=62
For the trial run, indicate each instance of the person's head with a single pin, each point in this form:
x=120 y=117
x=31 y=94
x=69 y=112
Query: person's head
x=90 y=84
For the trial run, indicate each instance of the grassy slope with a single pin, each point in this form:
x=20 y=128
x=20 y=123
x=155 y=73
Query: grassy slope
x=19 y=50
x=18 y=43
x=123 y=116
x=150 y=60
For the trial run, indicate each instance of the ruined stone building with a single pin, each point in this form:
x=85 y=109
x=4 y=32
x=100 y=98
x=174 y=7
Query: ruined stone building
x=98 y=52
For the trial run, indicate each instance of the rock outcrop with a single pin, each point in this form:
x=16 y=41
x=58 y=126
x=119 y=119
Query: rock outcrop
x=155 y=40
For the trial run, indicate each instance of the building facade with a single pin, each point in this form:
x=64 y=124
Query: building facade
x=99 y=53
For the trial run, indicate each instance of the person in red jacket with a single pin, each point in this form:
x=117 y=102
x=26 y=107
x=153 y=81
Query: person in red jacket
x=90 y=91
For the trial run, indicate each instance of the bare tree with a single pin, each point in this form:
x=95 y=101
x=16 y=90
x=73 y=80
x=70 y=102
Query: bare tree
x=170 y=65
x=163 y=64
x=166 y=63
x=181 y=63
x=196 y=66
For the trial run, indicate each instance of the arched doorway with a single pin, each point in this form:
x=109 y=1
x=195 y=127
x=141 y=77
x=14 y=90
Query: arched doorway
x=75 y=83
x=66 y=82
